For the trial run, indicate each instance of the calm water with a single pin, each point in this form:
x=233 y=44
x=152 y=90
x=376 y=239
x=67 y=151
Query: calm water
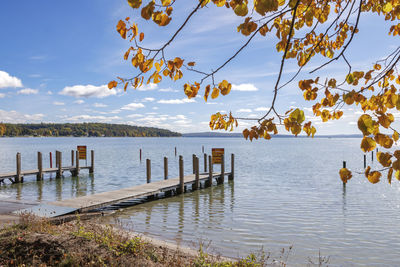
x=286 y=192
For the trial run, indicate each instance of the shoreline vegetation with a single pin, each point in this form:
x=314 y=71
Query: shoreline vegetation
x=39 y=242
x=81 y=130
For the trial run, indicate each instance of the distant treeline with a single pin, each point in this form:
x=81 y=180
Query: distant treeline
x=82 y=129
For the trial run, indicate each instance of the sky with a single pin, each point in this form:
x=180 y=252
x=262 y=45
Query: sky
x=56 y=58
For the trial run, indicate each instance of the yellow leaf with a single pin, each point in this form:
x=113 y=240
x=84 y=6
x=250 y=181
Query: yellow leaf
x=126 y=85
x=215 y=93
x=396 y=165
x=387 y=7
x=384 y=140
x=367 y=144
x=366 y=124
x=395 y=136
x=141 y=36
x=389 y=175
x=191 y=64
x=397 y=175
x=135 y=3
x=207 y=92
x=374 y=177
x=241 y=9
x=384 y=159
x=297 y=115
x=112 y=84
x=345 y=175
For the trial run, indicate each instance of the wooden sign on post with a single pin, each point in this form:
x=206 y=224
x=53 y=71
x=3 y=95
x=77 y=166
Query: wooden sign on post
x=217 y=154
x=82 y=150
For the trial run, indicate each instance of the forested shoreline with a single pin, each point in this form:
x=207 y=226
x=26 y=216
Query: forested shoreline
x=82 y=129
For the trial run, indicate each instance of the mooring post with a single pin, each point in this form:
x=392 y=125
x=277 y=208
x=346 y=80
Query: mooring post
x=51 y=160
x=196 y=184
x=148 y=170
x=59 y=164
x=344 y=166
x=222 y=177
x=39 y=175
x=57 y=158
x=202 y=149
x=91 y=170
x=232 y=175
x=165 y=168
x=181 y=188
x=365 y=161
x=72 y=157
x=77 y=169
x=193 y=163
x=210 y=172
x=372 y=156
x=140 y=154
x=18 y=177
x=175 y=151
x=205 y=163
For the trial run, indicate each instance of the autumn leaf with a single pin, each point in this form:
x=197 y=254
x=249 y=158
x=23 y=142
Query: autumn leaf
x=135 y=3
x=367 y=144
x=345 y=175
x=112 y=84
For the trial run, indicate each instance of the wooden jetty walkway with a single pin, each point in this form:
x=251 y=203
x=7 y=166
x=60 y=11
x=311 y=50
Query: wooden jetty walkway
x=167 y=187
x=18 y=175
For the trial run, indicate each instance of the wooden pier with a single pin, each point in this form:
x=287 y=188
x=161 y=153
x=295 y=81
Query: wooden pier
x=18 y=175
x=151 y=190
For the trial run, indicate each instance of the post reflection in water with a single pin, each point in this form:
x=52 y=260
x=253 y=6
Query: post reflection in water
x=232 y=187
x=39 y=185
x=92 y=188
x=148 y=218
x=59 y=182
x=19 y=191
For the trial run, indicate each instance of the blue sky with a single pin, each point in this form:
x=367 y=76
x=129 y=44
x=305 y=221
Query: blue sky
x=56 y=58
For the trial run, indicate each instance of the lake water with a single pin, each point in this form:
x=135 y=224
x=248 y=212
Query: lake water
x=286 y=192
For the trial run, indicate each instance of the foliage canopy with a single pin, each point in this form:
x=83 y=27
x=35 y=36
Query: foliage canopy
x=304 y=29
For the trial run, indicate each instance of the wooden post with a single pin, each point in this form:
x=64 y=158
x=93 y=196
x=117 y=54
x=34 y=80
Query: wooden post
x=175 y=151
x=372 y=156
x=196 y=184
x=202 y=149
x=51 y=161
x=205 y=163
x=72 y=158
x=193 y=163
x=91 y=170
x=181 y=188
x=77 y=169
x=59 y=164
x=165 y=168
x=222 y=177
x=148 y=170
x=210 y=172
x=232 y=175
x=56 y=158
x=140 y=154
x=365 y=161
x=344 y=166
x=39 y=176
x=18 y=177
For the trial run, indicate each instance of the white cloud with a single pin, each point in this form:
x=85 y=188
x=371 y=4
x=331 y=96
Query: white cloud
x=79 y=101
x=168 y=90
x=7 y=81
x=135 y=116
x=245 y=87
x=88 y=91
x=99 y=105
x=244 y=110
x=262 y=109
x=149 y=99
x=176 y=101
x=92 y=118
x=56 y=103
x=2 y=95
x=147 y=87
x=28 y=91
x=16 y=117
x=155 y=108
x=133 y=106
x=49 y=92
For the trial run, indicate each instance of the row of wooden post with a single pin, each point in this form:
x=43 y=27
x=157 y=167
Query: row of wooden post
x=196 y=171
x=59 y=172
